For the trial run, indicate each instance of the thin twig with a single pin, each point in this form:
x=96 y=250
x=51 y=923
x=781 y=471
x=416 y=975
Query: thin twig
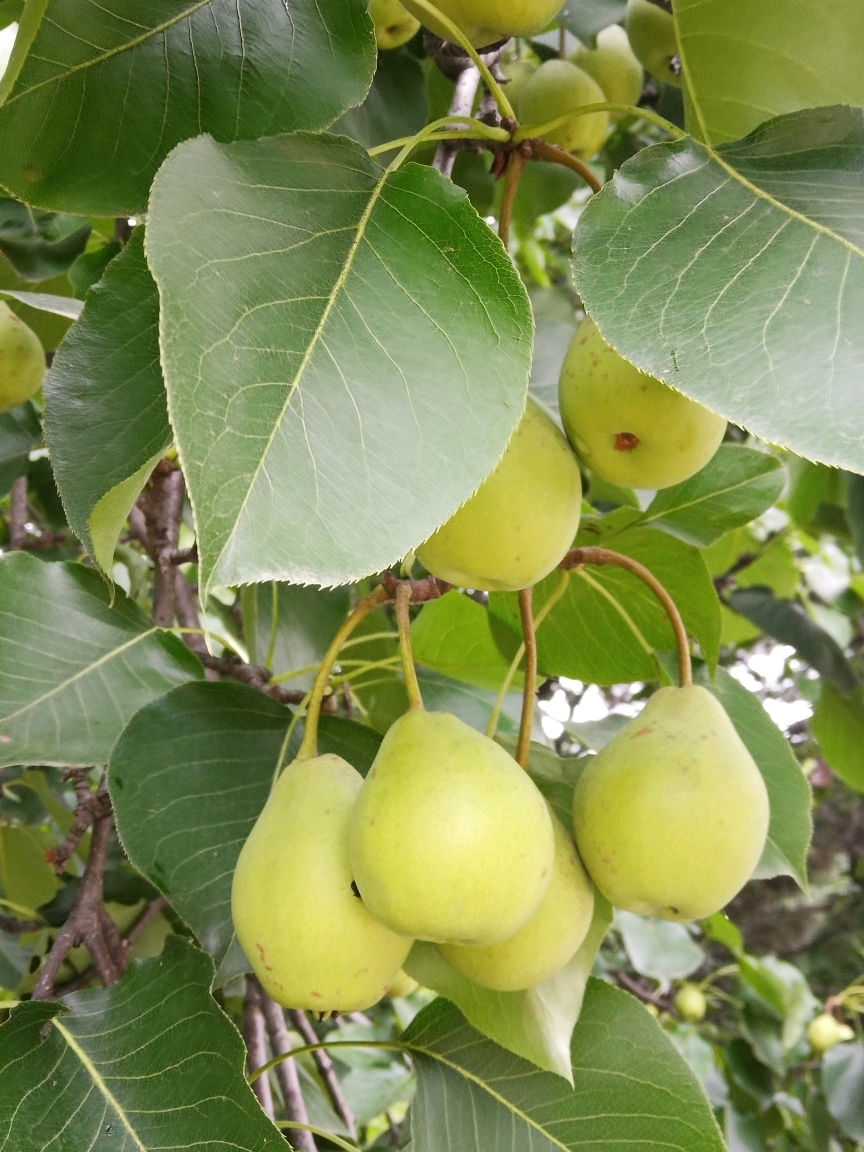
x=286 y=1072
x=255 y=1035
x=529 y=691
x=328 y=1073
x=91 y=806
x=19 y=927
x=543 y=151
x=150 y=913
x=18 y=521
x=515 y=171
x=639 y=992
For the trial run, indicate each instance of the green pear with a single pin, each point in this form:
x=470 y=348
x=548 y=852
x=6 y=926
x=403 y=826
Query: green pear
x=559 y=87
x=517 y=72
x=651 y=32
x=630 y=428
x=550 y=938
x=691 y=1003
x=486 y=22
x=394 y=24
x=450 y=840
x=614 y=66
x=402 y=986
x=672 y=816
x=521 y=520
x=826 y=1032
x=309 y=938
x=22 y=361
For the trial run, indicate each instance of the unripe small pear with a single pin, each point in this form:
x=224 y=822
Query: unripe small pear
x=556 y=89
x=485 y=22
x=826 y=1032
x=402 y=986
x=651 y=32
x=521 y=520
x=517 y=72
x=548 y=941
x=450 y=840
x=630 y=428
x=22 y=360
x=394 y=24
x=614 y=66
x=691 y=1003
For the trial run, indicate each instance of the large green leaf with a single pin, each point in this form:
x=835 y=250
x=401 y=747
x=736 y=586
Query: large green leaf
x=73 y=667
x=148 y=1065
x=457 y=637
x=745 y=61
x=735 y=487
x=106 y=417
x=838 y=725
x=632 y=1087
x=237 y=69
x=737 y=275
x=189 y=777
x=788 y=791
x=346 y=353
x=20 y=431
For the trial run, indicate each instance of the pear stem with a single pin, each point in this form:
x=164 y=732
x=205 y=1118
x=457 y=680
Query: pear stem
x=403 y=620
x=540 y=150
x=529 y=691
x=578 y=557
x=515 y=171
x=309 y=747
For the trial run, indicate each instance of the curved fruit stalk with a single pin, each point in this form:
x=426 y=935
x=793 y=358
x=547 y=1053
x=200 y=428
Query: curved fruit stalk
x=485 y=22
x=22 y=360
x=394 y=24
x=556 y=89
x=614 y=66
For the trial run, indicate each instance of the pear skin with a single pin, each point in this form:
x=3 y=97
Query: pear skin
x=651 y=32
x=22 y=360
x=309 y=938
x=614 y=66
x=485 y=22
x=559 y=87
x=630 y=428
x=450 y=840
x=548 y=941
x=671 y=817
x=394 y=24
x=521 y=520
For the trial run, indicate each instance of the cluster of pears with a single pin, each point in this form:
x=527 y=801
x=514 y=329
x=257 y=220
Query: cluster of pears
x=22 y=361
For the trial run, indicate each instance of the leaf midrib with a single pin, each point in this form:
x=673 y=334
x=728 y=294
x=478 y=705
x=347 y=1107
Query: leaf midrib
x=674 y=510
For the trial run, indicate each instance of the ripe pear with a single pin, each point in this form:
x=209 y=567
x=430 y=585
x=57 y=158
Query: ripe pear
x=309 y=938
x=550 y=938
x=672 y=816
x=630 y=428
x=521 y=520
x=394 y=24
x=614 y=66
x=651 y=32
x=691 y=1003
x=559 y=87
x=450 y=840
x=826 y=1032
x=485 y=22
x=22 y=361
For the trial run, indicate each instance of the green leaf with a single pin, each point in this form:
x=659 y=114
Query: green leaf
x=65 y=306
x=585 y=18
x=179 y=68
x=73 y=668
x=363 y=364
x=741 y=280
x=838 y=725
x=40 y=245
x=735 y=487
x=50 y=328
x=397 y=104
x=106 y=418
x=788 y=791
x=537 y=1023
x=20 y=431
x=784 y=987
x=149 y=1064
x=189 y=777
x=855 y=490
x=788 y=622
x=459 y=638
x=740 y=72
x=812 y=486
x=775 y=568
x=843 y=1081
x=306 y=620
x=25 y=877
x=632 y=1087
x=657 y=948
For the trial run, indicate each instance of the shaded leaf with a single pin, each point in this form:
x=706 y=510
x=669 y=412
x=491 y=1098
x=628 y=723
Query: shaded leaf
x=106 y=415
x=65 y=306
x=397 y=104
x=457 y=637
x=737 y=276
x=151 y=1063
x=25 y=877
x=659 y=949
x=40 y=245
x=855 y=494
x=585 y=18
x=843 y=1081
x=367 y=347
x=49 y=327
x=176 y=69
x=735 y=487
x=306 y=620
x=20 y=431
x=74 y=669
x=784 y=987
x=838 y=725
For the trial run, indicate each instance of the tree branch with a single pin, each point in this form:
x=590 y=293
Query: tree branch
x=18 y=521
x=286 y=1072
x=91 y=806
x=255 y=1035
x=328 y=1073
x=162 y=506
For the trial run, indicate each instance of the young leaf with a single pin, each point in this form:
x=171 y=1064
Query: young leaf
x=237 y=69
x=363 y=362
x=149 y=1064
x=106 y=415
x=73 y=668
x=742 y=278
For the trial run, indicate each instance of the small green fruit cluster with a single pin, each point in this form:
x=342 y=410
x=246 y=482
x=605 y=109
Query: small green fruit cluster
x=394 y=24
x=22 y=361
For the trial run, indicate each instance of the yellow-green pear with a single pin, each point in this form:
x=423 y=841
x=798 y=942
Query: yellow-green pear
x=671 y=817
x=826 y=1032
x=521 y=520
x=559 y=87
x=630 y=428
x=394 y=24
x=22 y=360
x=550 y=938
x=450 y=840
x=690 y=1003
x=309 y=938
x=614 y=66
x=402 y=986
x=651 y=32
x=517 y=72
x=485 y=22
